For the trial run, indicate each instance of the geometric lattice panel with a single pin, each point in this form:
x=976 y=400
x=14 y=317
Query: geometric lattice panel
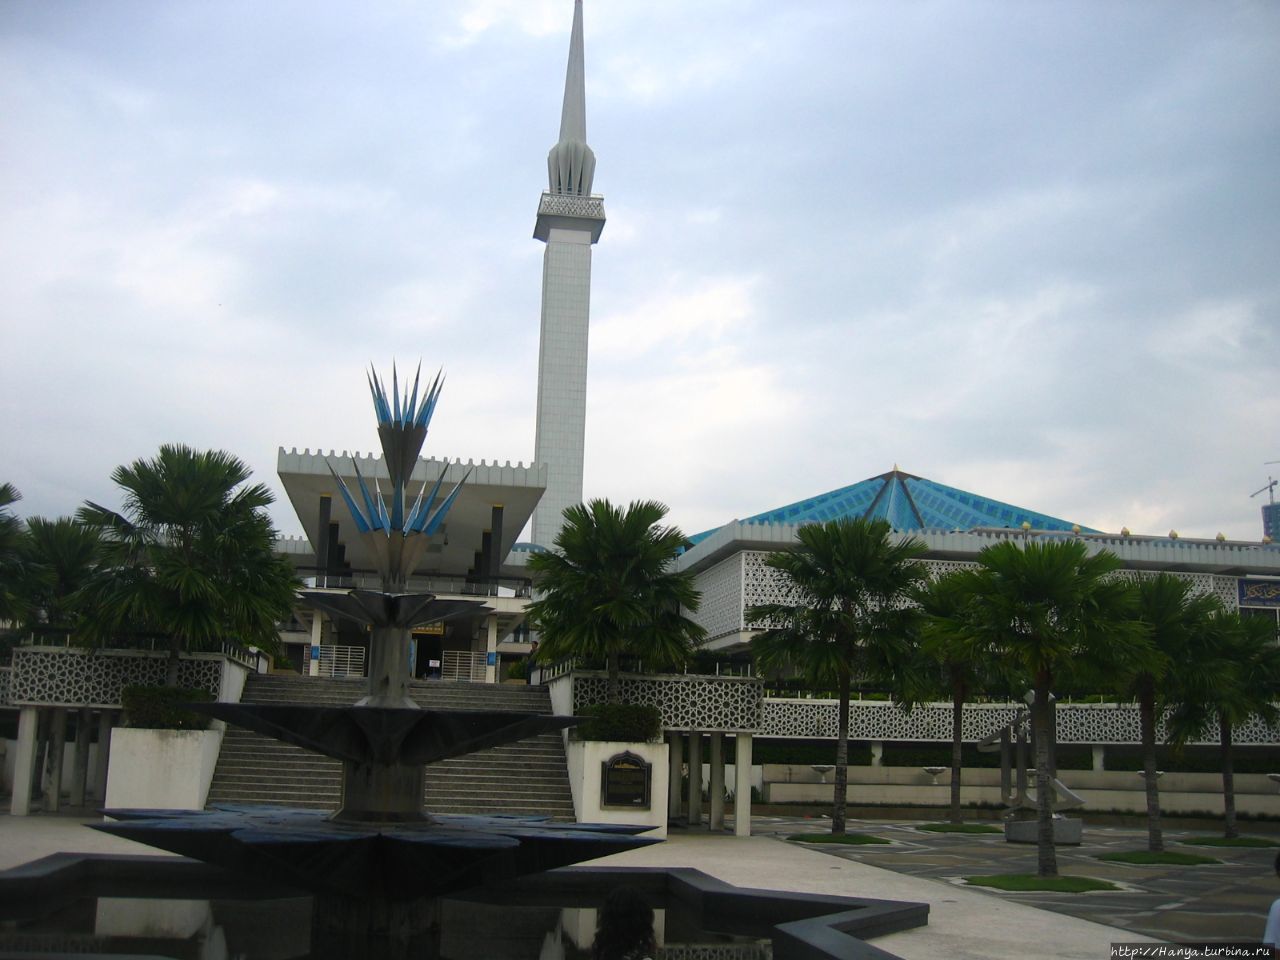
x=708 y=704
x=63 y=676
x=720 y=611
x=1077 y=723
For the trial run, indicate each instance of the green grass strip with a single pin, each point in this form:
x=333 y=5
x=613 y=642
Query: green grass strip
x=959 y=828
x=1231 y=842
x=1166 y=856
x=848 y=838
x=1029 y=882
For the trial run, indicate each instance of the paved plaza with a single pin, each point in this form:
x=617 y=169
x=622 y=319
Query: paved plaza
x=1226 y=901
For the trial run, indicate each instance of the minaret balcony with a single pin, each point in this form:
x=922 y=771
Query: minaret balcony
x=569 y=211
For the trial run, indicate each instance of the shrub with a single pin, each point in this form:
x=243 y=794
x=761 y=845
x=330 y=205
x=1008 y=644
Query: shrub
x=516 y=670
x=621 y=721
x=161 y=708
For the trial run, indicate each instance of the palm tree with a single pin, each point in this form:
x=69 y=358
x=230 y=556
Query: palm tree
x=1049 y=609
x=947 y=645
x=609 y=588
x=849 y=579
x=61 y=557
x=1236 y=675
x=190 y=556
x=12 y=537
x=1173 y=616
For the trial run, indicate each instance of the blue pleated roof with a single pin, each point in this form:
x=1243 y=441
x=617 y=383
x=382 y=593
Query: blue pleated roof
x=908 y=502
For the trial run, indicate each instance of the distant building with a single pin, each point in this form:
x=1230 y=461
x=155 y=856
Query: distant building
x=1271 y=521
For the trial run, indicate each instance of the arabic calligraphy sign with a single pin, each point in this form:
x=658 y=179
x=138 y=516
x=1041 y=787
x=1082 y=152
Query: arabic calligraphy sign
x=1259 y=593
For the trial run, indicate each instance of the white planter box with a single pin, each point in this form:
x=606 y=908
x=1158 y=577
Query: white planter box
x=161 y=769
x=586 y=759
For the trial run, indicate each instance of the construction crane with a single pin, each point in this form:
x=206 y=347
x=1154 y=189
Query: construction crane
x=1270 y=515
x=1270 y=488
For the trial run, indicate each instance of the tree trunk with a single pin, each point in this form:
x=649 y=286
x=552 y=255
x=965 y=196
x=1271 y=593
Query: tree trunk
x=1229 y=829
x=171 y=668
x=1147 y=720
x=957 y=722
x=842 y=758
x=1047 y=856
x=612 y=690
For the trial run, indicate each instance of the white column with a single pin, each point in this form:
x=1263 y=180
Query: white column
x=695 y=778
x=491 y=649
x=317 y=631
x=80 y=772
x=24 y=771
x=742 y=786
x=1099 y=757
x=877 y=753
x=675 y=742
x=106 y=720
x=717 y=781
x=57 y=745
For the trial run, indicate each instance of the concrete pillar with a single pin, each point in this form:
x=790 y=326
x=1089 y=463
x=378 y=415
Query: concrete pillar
x=80 y=772
x=106 y=720
x=53 y=765
x=317 y=631
x=742 y=785
x=717 y=781
x=877 y=753
x=491 y=649
x=695 y=778
x=1099 y=757
x=675 y=752
x=24 y=771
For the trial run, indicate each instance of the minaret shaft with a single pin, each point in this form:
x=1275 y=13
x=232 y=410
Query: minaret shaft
x=569 y=222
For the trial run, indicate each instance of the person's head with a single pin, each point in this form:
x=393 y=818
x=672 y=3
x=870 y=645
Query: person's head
x=624 y=927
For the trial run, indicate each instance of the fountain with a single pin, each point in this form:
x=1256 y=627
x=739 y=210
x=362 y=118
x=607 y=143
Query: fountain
x=379 y=865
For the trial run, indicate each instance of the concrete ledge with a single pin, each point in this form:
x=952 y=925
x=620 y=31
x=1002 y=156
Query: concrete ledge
x=161 y=769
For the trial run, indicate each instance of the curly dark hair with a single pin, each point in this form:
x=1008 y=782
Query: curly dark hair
x=624 y=929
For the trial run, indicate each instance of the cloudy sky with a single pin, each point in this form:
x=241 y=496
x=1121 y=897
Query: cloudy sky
x=1029 y=249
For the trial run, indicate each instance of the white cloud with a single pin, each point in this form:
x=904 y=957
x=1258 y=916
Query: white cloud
x=682 y=325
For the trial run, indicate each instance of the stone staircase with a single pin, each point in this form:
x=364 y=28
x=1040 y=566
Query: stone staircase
x=525 y=777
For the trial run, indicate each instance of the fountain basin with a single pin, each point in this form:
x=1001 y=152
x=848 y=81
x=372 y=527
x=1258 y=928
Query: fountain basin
x=496 y=922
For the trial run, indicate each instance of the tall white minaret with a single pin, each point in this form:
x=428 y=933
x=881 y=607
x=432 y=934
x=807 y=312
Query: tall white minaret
x=569 y=222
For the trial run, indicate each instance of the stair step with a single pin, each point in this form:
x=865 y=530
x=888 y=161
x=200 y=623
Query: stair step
x=527 y=777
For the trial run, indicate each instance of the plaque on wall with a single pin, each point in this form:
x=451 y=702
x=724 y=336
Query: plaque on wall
x=624 y=781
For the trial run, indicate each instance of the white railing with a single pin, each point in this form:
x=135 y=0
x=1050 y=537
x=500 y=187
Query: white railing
x=341 y=661
x=463 y=665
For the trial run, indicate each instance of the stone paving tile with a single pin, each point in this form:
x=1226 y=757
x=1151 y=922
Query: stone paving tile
x=1227 y=901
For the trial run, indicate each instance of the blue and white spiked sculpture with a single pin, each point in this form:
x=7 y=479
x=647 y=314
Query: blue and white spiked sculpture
x=398 y=532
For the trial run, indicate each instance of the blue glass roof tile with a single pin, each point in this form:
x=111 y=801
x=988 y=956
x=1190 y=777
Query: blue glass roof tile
x=908 y=502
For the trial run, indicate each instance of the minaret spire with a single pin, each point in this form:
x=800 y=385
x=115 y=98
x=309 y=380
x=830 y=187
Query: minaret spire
x=573 y=117
x=571 y=166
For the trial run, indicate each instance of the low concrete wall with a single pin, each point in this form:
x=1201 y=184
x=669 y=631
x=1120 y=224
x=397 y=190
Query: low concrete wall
x=161 y=769
x=1180 y=793
x=585 y=758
